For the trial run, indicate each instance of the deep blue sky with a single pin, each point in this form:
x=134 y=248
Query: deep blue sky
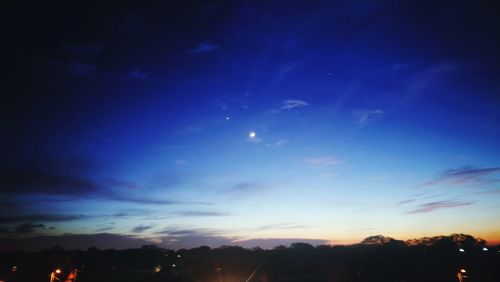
x=374 y=117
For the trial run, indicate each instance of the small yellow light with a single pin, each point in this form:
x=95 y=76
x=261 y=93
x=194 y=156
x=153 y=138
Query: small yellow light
x=58 y=271
x=462 y=270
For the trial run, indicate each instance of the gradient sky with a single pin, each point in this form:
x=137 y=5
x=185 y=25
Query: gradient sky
x=128 y=124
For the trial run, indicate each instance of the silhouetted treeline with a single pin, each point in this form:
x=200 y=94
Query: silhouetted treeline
x=377 y=258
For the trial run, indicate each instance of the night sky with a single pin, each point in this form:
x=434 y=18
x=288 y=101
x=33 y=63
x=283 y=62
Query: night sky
x=188 y=123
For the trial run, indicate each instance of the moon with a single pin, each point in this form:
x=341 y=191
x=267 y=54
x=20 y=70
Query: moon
x=251 y=134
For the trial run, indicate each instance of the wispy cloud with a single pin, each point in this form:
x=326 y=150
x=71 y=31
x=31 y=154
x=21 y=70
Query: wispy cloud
x=141 y=228
x=50 y=182
x=176 y=231
x=281 y=226
x=29 y=227
x=415 y=80
x=245 y=188
x=118 y=183
x=467 y=175
x=285 y=69
x=404 y=202
x=278 y=143
x=41 y=217
x=187 y=238
x=364 y=116
x=438 y=205
x=202 y=213
x=293 y=104
x=424 y=78
x=204 y=47
x=28 y=180
x=140 y=200
x=104 y=229
x=323 y=161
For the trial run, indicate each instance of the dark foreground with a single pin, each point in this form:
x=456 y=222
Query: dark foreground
x=377 y=259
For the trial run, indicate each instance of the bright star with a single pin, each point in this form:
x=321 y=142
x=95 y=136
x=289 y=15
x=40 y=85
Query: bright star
x=251 y=134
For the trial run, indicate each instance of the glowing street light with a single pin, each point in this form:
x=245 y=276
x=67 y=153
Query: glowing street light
x=72 y=275
x=53 y=275
x=461 y=275
x=461 y=250
x=485 y=249
x=157 y=268
x=218 y=270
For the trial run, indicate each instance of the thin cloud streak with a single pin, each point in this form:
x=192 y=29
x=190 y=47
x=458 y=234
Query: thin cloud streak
x=466 y=175
x=41 y=217
x=293 y=104
x=26 y=180
x=21 y=181
x=280 y=226
x=202 y=213
x=141 y=228
x=438 y=205
x=364 y=116
x=103 y=229
x=244 y=188
x=278 y=143
x=29 y=227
